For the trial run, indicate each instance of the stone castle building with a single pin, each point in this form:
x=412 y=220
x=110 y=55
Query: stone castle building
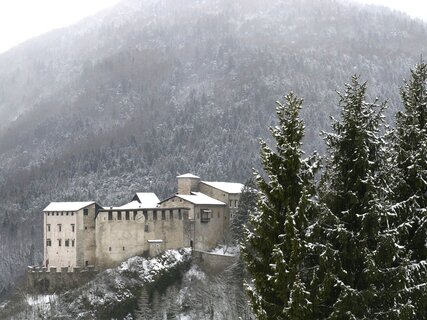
x=79 y=234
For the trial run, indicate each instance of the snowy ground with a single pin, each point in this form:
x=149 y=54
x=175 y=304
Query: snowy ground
x=41 y=299
x=226 y=251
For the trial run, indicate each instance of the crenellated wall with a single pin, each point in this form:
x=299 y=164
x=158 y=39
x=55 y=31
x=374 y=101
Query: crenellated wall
x=121 y=234
x=54 y=280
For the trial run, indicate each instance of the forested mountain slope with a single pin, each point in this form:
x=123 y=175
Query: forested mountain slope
x=126 y=100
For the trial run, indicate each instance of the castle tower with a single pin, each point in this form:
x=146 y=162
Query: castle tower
x=188 y=183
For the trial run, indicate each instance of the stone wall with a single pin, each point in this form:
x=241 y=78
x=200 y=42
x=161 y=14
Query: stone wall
x=121 y=234
x=230 y=199
x=86 y=246
x=55 y=280
x=205 y=233
x=208 y=233
x=212 y=263
x=58 y=226
x=188 y=184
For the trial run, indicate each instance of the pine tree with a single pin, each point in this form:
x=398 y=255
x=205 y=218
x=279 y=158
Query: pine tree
x=247 y=203
x=276 y=242
x=410 y=183
x=366 y=266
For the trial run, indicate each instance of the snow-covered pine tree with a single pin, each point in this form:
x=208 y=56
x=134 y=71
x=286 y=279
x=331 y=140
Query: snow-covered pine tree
x=410 y=183
x=275 y=248
x=247 y=203
x=366 y=264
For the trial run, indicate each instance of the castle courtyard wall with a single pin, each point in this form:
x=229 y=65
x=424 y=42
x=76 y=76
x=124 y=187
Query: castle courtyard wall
x=119 y=239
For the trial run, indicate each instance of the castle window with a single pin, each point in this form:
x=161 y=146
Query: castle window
x=85 y=211
x=48 y=243
x=66 y=213
x=57 y=213
x=72 y=243
x=123 y=248
x=144 y=212
x=59 y=242
x=62 y=213
x=146 y=228
x=59 y=227
x=127 y=215
x=109 y=248
x=163 y=215
x=67 y=243
x=110 y=215
x=171 y=214
x=235 y=203
x=205 y=215
x=154 y=215
x=48 y=227
x=119 y=216
x=73 y=227
x=231 y=203
x=179 y=214
x=72 y=213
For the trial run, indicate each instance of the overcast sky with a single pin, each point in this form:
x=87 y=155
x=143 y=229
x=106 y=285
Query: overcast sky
x=24 y=19
x=415 y=8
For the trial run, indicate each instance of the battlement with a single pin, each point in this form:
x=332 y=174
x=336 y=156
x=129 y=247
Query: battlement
x=53 y=279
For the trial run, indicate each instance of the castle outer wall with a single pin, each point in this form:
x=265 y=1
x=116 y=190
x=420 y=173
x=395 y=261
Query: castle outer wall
x=121 y=234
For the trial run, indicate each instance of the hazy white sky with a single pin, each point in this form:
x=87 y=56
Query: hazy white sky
x=24 y=19
x=415 y=8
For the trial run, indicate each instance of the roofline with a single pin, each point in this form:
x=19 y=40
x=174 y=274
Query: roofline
x=170 y=197
x=178 y=195
x=91 y=203
x=141 y=209
x=188 y=175
x=204 y=182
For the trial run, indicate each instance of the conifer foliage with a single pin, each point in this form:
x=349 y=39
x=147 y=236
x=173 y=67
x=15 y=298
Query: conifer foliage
x=276 y=244
x=247 y=203
x=355 y=247
x=410 y=183
x=370 y=263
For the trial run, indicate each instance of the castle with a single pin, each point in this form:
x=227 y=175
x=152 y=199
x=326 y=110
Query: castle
x=81 y=234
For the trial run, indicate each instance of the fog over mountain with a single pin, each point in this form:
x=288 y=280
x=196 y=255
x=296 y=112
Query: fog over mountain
x=126 y=100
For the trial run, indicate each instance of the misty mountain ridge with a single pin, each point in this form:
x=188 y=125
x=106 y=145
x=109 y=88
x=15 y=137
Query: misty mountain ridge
x=126 y=100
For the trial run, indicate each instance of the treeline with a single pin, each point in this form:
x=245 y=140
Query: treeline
x=352 y=246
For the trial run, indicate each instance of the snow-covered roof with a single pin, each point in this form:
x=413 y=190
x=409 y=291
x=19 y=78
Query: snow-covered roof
x=133 y=205
x=147 y=199
x=67 y=206
x=188 y=175
x=155 y=241
x=200 y=198
x=229 y=187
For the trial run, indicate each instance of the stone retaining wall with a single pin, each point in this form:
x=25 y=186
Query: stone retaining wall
x=43 y=280
x=211 y=262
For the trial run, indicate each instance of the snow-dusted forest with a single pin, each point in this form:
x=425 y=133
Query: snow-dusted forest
x=126 y=100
